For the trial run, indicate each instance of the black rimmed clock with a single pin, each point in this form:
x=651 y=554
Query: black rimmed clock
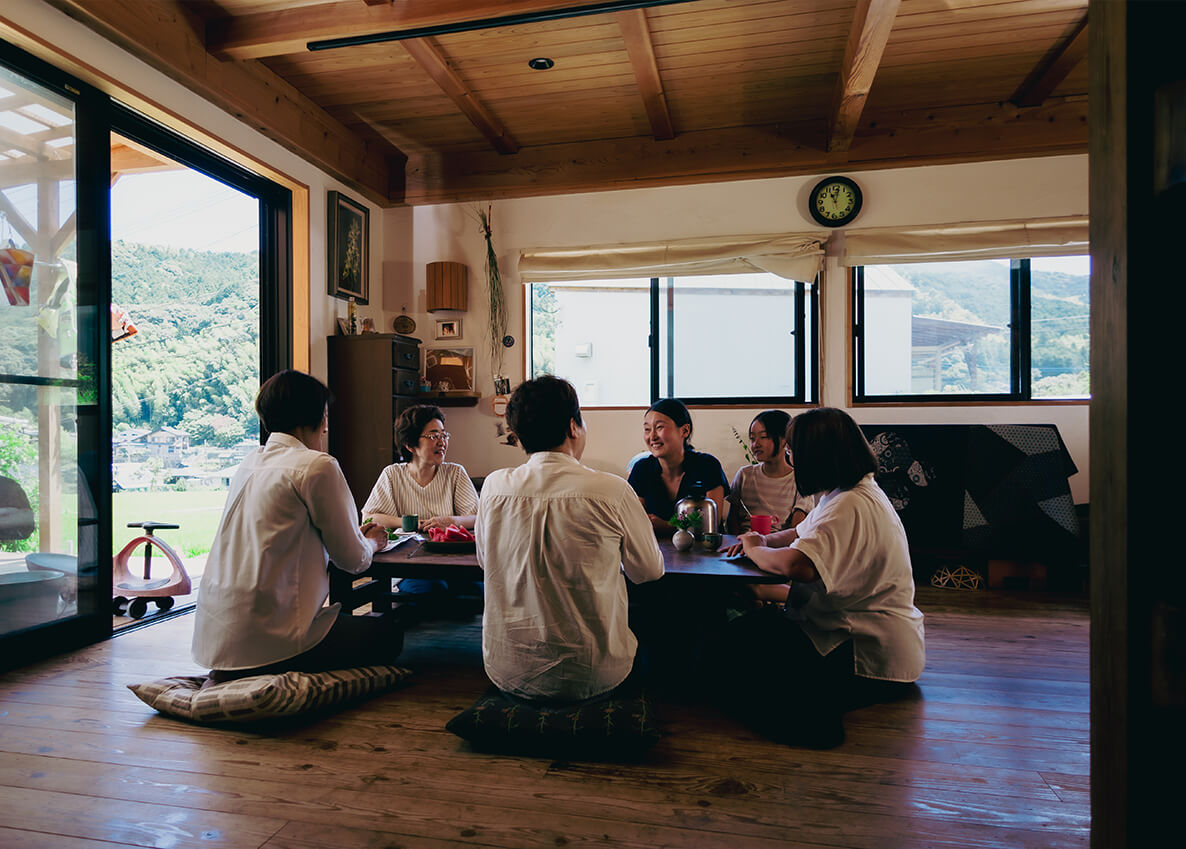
x=835 y=201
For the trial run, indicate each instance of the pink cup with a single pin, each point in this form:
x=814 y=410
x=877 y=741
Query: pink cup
x=761 y=524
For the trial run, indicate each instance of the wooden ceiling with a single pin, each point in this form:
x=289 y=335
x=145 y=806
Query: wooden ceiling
x=683 y=92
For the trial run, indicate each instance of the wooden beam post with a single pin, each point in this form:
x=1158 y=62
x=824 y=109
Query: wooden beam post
x=429 y=56
x=1054 y=67
x=871 y=25
x=1138 y=586
x=637 y=36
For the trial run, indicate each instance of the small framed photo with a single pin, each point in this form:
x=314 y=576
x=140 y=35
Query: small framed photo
x=343 y=328
x=348 y=248
x=449 y=328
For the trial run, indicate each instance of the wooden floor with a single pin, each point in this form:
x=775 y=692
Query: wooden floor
x=993 y=754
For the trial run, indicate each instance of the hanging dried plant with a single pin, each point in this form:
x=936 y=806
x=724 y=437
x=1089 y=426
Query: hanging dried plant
x=749 y=457
x=498 y=304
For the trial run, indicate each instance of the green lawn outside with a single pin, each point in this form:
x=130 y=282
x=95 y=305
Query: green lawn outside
x=196 y=511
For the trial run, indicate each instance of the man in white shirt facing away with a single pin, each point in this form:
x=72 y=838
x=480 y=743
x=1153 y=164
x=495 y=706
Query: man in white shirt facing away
x=289 y=512
x=554 y=538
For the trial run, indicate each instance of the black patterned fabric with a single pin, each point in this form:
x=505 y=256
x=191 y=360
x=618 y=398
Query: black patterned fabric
x=599 y=729
x=997 y=489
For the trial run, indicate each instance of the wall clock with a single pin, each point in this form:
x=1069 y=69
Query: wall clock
x=835 y=201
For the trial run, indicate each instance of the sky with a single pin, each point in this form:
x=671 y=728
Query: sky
x=183 y=209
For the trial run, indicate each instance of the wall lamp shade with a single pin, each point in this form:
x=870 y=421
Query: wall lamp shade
x=446 y=286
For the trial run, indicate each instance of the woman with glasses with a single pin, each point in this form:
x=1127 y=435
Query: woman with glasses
x=440 y=493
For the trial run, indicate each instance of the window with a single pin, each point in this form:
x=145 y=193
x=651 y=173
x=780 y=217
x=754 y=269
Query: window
x=1013 y=330
x=719 y=339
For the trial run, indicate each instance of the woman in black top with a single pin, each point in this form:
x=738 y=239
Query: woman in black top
x=673 y=467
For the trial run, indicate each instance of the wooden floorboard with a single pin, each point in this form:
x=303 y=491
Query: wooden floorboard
x=993 y=752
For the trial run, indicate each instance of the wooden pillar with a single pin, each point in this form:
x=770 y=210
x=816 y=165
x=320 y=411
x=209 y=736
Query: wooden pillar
x=49 y=352
x=1138 y=588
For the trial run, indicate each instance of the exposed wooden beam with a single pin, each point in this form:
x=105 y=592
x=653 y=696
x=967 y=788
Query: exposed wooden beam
x=1054 y=67
x=17 y=221
x=165 y=35
x=392 y=135
x=429 y=56
x=637 y=35
x=15 y=172
x=130 y=158
x=276 y=32
x=871 y=25
x=926 y=137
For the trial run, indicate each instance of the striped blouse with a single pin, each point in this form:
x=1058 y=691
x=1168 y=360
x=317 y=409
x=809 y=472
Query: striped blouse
x=397 y=493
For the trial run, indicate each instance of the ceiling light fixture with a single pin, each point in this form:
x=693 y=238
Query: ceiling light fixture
x=575 y=11
x=540 y=63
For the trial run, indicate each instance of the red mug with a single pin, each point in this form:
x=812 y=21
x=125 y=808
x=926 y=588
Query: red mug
x=761 y=524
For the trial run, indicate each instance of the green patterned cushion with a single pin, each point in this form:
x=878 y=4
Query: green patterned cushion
x=609 y=728
x=264 y=697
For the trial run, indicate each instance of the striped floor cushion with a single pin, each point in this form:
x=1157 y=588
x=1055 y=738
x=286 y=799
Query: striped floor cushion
x=265 y=697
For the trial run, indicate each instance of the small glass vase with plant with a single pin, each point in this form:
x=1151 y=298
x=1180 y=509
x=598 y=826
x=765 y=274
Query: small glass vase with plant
x=686 y=527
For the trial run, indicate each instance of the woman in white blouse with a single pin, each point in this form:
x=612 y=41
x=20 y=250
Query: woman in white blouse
x=853 y=636
x=440 y=493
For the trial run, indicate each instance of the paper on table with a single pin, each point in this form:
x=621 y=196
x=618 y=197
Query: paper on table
x=399 y=540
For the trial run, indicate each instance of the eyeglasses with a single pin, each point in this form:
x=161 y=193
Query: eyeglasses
x=436 y=435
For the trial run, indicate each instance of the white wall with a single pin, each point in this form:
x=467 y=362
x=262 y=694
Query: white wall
x=73 y=39
x=1045 y=187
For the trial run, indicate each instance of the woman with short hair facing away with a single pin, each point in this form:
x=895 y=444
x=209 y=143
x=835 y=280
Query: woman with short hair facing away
x=440 y=493
x=855 y=638
x=674 y=467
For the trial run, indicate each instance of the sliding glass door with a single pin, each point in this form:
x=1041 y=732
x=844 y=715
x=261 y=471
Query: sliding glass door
x=63 y=145
x=54 y=420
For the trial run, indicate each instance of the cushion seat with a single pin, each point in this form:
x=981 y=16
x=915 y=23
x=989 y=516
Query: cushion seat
x=607 y=728
x=266 y=697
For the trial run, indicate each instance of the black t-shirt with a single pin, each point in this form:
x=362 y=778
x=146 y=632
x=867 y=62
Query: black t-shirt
x=647 y=480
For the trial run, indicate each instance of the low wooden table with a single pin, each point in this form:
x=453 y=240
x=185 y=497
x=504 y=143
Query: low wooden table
x=411 y=560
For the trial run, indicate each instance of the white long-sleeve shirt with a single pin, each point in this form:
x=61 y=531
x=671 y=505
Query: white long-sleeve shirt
x=289 y=512
x=554 y=538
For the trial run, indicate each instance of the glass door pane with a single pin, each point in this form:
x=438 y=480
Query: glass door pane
x=47 y=513
x=185 y=292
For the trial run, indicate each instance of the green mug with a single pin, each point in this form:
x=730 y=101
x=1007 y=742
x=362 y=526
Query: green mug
x=411 y=522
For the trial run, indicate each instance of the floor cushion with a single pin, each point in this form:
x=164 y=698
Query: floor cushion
x=600 y=729
x=266 y=697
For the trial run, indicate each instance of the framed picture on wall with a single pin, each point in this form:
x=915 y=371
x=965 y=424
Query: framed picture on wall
x=449 y=328
x=348 y=227
x=450 y=369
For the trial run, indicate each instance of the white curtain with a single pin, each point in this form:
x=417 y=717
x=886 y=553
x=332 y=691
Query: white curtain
x=794 y=256
x=967 y=240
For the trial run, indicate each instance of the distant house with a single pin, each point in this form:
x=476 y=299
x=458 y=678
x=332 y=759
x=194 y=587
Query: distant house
x=200 y=477
x=167 y=444
x=130 y=476
x=129 y=446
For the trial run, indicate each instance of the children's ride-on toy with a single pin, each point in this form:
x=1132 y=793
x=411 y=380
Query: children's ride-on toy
x=135 y=592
